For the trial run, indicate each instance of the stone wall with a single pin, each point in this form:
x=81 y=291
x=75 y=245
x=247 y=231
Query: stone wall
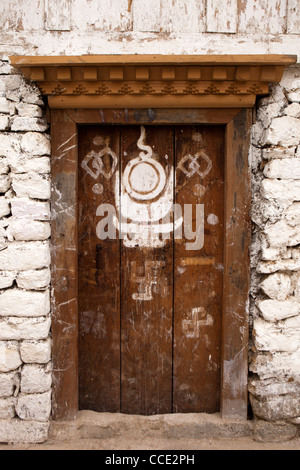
x=25 y=321
x=274 y=383
x=25 y=345
x=76 y=27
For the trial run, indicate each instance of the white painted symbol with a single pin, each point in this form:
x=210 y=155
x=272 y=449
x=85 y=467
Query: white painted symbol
x=193 y=165
x=212 y=219
x=98 y=188
x=195 y=319
x=151 y=280
x=145 y=198
x=199 y=190
x=94 y=166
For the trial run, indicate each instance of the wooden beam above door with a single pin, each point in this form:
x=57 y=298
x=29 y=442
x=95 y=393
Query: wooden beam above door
x=153 y=81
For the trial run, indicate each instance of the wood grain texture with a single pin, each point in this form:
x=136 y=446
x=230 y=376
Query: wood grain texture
x=107 y=15
x=198 y=274
x=64 y=257
x=98 y=277
x=132 y=59
x=236 y=268
x=64 y=266
x=152 y=116
x=221 y=16
x=259 y=16
x=147 y=301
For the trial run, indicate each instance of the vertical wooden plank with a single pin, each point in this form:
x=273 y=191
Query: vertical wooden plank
x=147 y=16
x=22 y=15
x=64 y=265
x=221 y=16
x=146 y=278
x=98 y=271
x=293 y=17
x=185 y=16
x=198 y=272
x=236 y=268
x=169 y=16
x=57 y=15
x=104 y=15
x=261 y=16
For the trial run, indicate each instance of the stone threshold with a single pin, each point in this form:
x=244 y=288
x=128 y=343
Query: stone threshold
x=93 y=425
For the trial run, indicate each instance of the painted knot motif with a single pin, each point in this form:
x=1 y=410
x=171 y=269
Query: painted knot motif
x=94 y=166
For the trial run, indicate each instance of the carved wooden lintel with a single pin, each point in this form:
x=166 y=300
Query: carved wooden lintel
x=139 y=81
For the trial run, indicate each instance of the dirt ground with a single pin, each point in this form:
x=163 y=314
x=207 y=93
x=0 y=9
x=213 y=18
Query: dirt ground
x=156 y=445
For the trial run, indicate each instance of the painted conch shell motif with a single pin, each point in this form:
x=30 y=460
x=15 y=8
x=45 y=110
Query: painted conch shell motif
x=145 y=198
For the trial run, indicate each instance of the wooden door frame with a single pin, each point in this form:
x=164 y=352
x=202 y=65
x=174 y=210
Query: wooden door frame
x=64 y=245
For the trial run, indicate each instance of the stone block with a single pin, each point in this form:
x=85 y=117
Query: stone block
x=276 y=310
x=15 y=328
x=24 y=208
x=268 y=267
x=35 y=407
x=294 y=96
x=276 y=286
x=4 y=183
x=21 y=303
x=266 y=113
x=280 y=189
x=24 y=256
x=283 y=131
x=278 y=152
x=4 y=106
x=35 y=379
x=19 y=431
x=4 y=207
x=24 y=164
x=9 y=383
x=31 y=185
x=7 y=278
x=276 y=408
x=283 y=169
x=31 y=230
x=278 y=431
x=9 y=356
x=292 y=214
x=4 y=123
x=279 y=366
x=9 y=144
x=35 y=143
x=273 y=387
x=29 y=124
x=281 y=337
x=29 y=110
x=38 y=352
x=4 y=168
x=281 y=234
x=293 y=110
x=34 y=279
x=7 y=408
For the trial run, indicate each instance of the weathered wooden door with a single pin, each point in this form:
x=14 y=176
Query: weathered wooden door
x=150 y=236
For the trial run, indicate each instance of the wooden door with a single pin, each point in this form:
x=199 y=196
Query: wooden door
x=150 y=267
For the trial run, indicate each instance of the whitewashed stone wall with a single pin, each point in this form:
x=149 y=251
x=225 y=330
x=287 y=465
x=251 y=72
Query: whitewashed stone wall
x=274 y=383
x=25 y=345
x=74 y=27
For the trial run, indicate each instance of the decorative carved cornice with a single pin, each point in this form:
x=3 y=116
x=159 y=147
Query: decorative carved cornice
x=139 y=81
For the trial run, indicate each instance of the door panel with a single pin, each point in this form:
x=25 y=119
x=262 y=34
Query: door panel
x=150 y=308
x=146 y=277
x=198 y=272
x=98 y=273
